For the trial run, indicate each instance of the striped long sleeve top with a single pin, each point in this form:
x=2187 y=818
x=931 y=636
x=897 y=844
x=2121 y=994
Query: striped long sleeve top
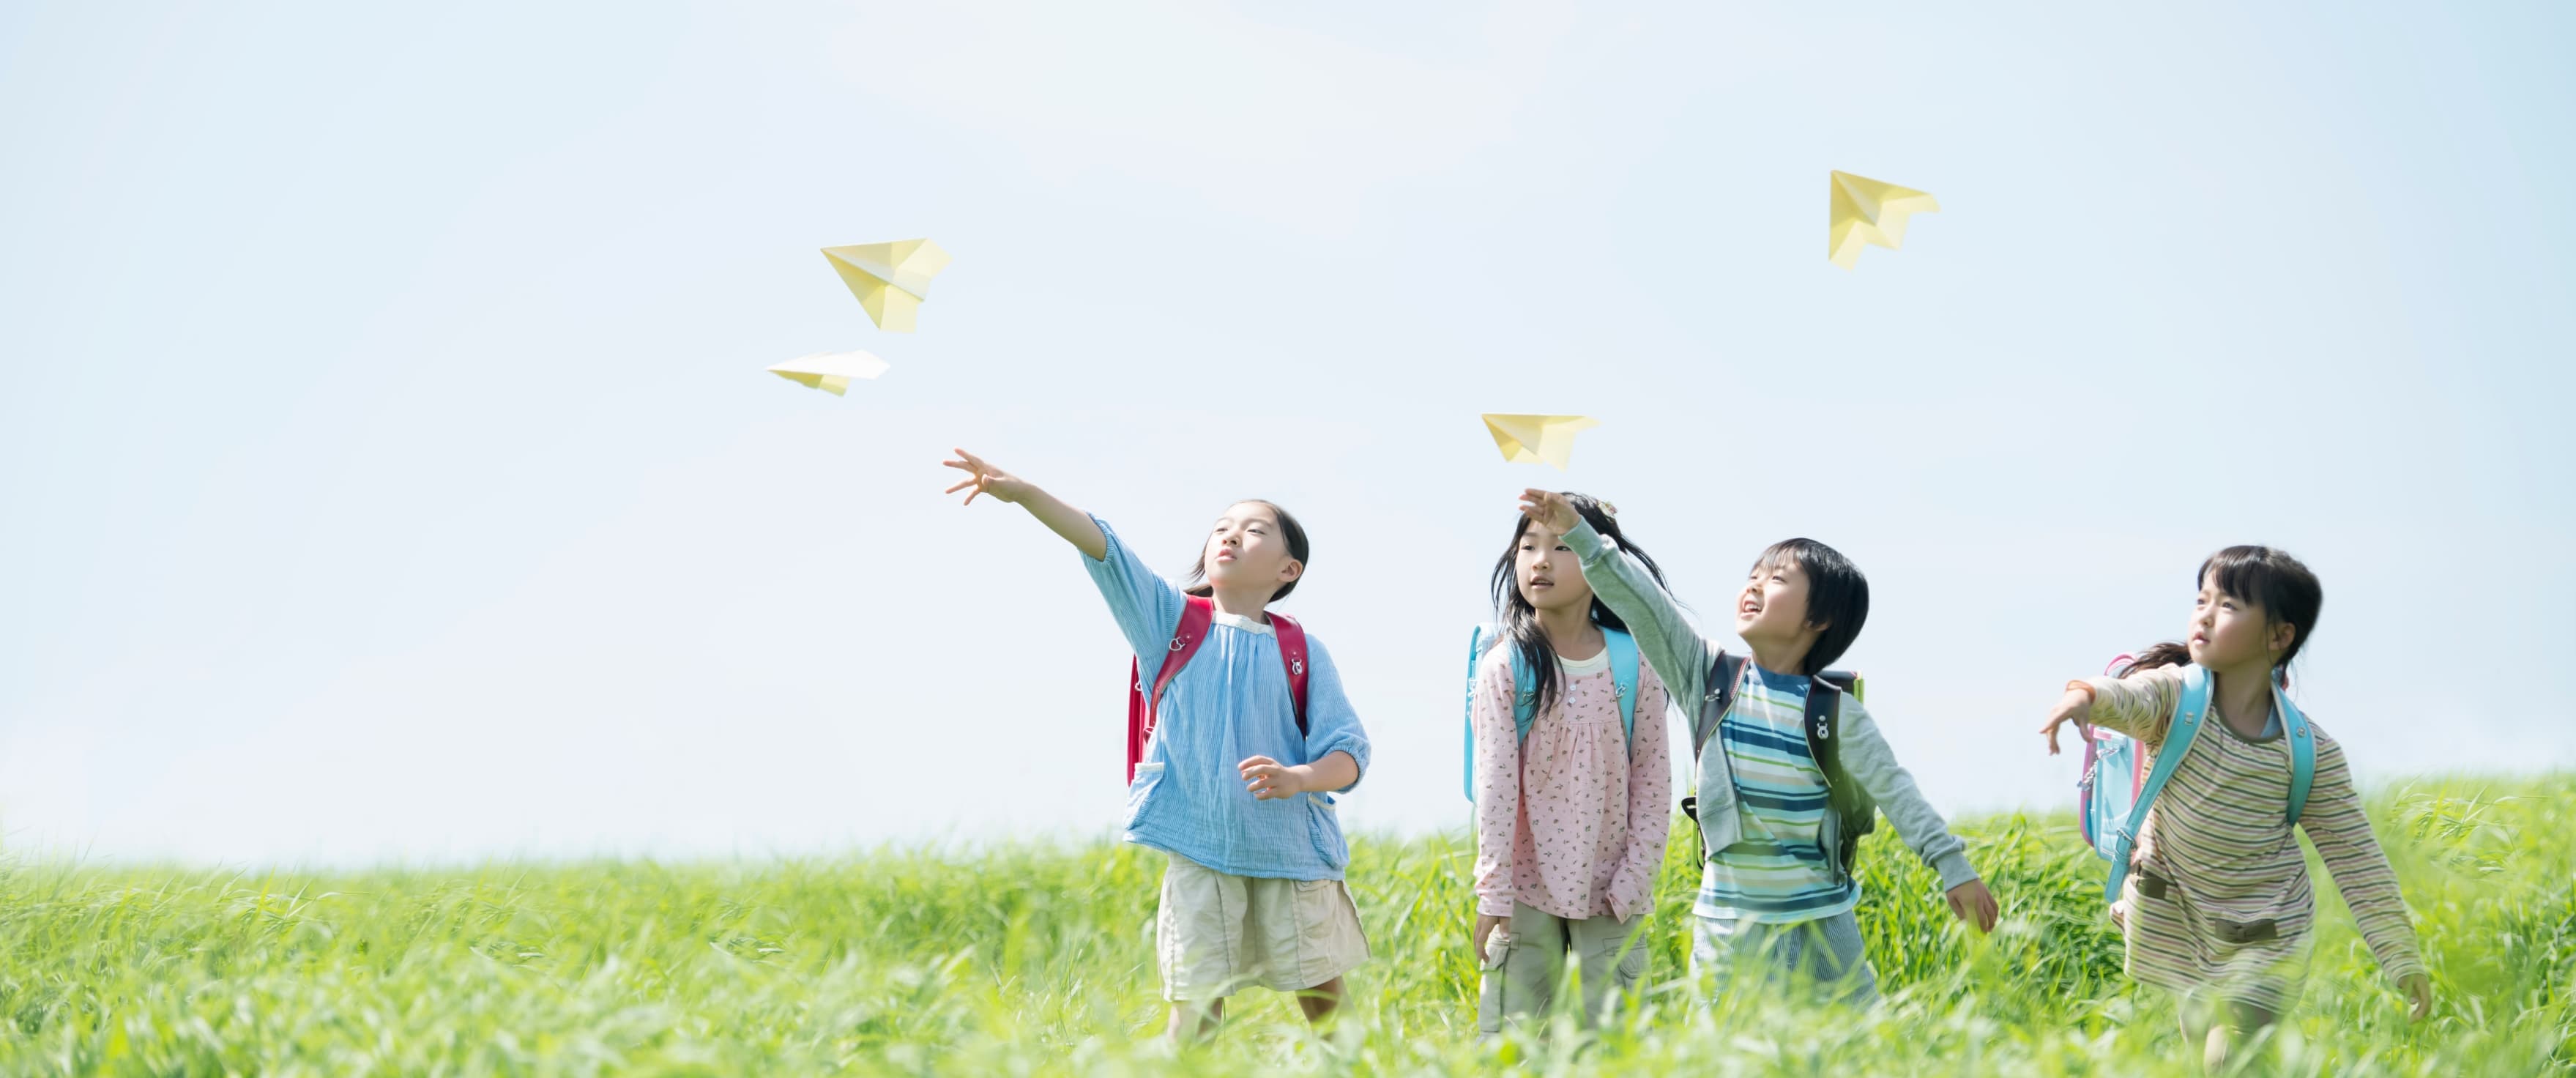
x=2219 y=832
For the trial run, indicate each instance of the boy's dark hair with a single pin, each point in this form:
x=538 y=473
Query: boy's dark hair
x=2282 y=585
x=1519 y=620
x=1837 y=596
x=1289 y=529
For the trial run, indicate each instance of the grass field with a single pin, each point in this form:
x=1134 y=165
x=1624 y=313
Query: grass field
x=1039 y=961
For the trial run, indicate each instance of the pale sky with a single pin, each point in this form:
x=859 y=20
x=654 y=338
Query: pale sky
x=387 y=471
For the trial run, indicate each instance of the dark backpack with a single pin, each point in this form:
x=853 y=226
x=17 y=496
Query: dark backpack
x=1855 y=813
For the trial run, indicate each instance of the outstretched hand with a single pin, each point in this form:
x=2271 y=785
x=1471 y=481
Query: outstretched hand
x=986 y=479
x=1549 y=509
x=1972 y=903
x=2071 y=707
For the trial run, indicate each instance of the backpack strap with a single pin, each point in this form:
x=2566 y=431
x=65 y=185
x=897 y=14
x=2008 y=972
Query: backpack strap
x=1623 y=680
x=1854 y=811
x=2188 y=712
x=1723 y=676
x=1824 y=715
x=1467 y=749
x=1196 y=615
x=2303 y=753
x=1824 y=720
x=1292 y=654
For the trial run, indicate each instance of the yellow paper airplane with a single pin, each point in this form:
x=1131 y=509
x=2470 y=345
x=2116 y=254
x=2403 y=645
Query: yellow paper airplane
x=1530 y=439
x=889 y=278
x=830 y=371
x=1867 y=211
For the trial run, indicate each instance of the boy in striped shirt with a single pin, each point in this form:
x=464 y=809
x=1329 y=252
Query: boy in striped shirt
x=1776 y=894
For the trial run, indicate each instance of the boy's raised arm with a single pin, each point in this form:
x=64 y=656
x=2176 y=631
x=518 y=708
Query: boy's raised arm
x=1668 y=640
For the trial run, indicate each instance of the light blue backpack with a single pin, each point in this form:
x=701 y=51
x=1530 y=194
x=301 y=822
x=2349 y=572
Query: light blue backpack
x=2118 y=787
x=1623 y=674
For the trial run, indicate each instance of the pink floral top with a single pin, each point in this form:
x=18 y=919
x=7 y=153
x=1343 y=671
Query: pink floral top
x=1582 y=811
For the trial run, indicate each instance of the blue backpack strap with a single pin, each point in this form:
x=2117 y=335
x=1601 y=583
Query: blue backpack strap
x=1475 y=651
x=1623 y=677
x=1524 y=692
x=2303 y=753
x=2187 y=716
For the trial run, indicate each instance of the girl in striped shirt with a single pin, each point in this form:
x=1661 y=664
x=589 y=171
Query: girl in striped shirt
x=2218 y=904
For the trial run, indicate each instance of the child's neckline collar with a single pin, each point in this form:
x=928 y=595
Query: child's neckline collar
x=1249 y=625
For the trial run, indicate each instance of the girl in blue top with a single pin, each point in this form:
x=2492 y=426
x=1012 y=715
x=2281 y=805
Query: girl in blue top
x=1228 y=789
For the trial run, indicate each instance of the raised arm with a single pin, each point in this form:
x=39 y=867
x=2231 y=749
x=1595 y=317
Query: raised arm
x=1148 y=607
x=1073 y=524
x=1664 y=636
x=2140 y=705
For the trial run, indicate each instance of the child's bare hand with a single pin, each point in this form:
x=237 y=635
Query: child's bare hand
x=986 y=479
x=1549 y=509
x=1972 y=903
x=2074 y=705
x=1270 y=780
x=1479 y=938
x=2419 y=996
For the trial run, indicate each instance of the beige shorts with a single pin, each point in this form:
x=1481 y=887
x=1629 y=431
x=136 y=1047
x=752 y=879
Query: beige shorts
x=1218 y=934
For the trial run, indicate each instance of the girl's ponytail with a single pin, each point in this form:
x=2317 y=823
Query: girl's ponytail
x=2162 y=653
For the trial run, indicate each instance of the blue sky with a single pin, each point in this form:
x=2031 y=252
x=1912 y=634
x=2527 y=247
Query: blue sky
x=389 y=472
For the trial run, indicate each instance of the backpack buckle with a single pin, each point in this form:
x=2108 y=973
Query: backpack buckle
x=1297 y=666
x=1176 y=644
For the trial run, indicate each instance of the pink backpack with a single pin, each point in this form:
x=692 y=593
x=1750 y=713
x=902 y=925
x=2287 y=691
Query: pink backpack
x=1196 y=618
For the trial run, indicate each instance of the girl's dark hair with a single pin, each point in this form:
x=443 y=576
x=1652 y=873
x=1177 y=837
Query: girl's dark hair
x=2162 y=653
x=2288 y=593
x=1519 y=620
x=1837 y=597
x=2282 y=585
x=1289 y=529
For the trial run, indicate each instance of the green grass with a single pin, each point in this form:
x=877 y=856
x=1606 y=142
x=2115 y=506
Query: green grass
x=1039 y=961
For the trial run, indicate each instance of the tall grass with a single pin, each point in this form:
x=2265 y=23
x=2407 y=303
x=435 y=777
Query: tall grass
x=1038 y=960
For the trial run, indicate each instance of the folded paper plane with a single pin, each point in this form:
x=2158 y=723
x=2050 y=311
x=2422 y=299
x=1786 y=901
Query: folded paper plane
x=1530 y=439
x=889 y=278
x=830 y=371
x=1867 y=211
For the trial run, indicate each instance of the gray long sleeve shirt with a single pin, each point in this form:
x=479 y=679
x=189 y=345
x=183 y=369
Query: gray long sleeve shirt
x=1684 y=659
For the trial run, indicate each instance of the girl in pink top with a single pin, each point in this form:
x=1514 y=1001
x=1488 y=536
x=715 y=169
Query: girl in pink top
x=1571 y=821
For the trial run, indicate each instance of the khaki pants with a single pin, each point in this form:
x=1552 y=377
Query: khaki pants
x=1525 y=962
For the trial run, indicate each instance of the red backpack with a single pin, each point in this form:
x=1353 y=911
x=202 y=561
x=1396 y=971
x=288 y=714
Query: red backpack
x=1196 y=617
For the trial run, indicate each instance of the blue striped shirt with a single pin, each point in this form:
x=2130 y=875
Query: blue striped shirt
x=1778 y=871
